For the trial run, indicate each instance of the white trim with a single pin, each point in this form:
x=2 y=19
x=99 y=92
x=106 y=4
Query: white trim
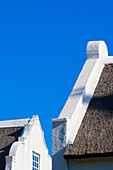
x=59 y=120
x=14 y=123
x=9 y=162
x=96 y=49
x=107 y=60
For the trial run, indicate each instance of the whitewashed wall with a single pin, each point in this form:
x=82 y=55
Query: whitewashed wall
x=20 y=156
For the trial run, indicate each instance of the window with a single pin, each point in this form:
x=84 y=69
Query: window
x=35 y=161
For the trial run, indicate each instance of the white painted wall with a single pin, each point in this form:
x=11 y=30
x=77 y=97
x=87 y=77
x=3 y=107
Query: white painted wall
x=66 y=126
x=20 y=156
x=59 y=141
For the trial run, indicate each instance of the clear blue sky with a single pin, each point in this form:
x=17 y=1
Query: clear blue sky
x=42 y=51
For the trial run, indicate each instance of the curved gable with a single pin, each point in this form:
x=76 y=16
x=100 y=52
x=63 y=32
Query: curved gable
x=28 y=146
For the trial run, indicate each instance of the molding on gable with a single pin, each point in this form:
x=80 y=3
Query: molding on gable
x=9 y=161
x=35 y=120
x=78 y=101
x=96 y=49
x=14 y=123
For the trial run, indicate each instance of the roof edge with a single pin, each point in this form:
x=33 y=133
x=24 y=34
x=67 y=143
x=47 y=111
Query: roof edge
x=94 y=155
x=14 y=123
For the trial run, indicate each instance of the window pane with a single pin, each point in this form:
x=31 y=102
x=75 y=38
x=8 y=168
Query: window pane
x=36 y=159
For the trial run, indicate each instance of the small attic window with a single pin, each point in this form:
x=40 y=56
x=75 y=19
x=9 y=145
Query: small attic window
x=35 y=161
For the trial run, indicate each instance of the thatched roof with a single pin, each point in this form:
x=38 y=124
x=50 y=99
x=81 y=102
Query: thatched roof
x=7 y=137
x=95 y=135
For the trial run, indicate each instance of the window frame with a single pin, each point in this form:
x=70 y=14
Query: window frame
x=38 y=155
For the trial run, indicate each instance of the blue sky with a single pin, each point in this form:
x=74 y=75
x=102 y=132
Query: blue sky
x=42 y=51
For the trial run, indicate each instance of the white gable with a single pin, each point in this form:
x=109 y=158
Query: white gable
x=78 y=101
x=66 y=126
x=31 y=144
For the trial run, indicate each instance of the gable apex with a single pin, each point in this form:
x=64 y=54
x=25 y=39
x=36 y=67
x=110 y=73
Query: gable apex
x=96 y=49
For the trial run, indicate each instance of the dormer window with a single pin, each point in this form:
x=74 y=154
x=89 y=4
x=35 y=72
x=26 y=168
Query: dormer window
x=35 y=161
